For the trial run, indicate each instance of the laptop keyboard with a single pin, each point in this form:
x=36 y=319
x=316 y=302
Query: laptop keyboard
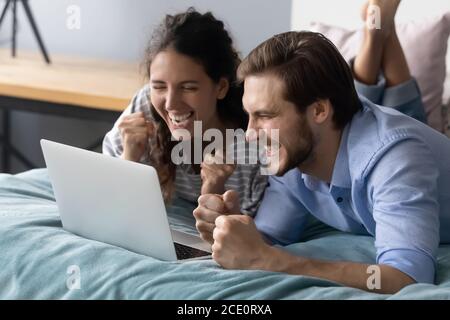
x=185 y=252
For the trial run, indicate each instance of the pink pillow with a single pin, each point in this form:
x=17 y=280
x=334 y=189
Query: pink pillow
x=425 y=46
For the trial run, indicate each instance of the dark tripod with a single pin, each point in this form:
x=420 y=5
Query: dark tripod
x=26 y=6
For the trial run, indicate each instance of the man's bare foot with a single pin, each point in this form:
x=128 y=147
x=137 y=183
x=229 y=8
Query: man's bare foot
x=379 y=16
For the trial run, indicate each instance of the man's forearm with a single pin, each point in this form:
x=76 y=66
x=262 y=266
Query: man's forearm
x=352 y=274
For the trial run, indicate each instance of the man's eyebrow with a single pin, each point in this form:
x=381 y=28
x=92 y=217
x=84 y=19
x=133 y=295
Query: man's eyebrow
x=266 y=110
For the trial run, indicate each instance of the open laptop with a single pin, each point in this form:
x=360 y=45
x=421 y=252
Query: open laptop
x=116 y=201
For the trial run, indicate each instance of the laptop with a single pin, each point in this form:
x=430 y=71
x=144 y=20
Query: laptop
x=116 y=201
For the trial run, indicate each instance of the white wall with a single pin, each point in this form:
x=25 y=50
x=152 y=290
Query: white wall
x=346 y=13
x=120 y=28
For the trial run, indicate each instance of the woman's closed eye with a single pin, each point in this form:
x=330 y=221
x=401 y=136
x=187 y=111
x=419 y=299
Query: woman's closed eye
x=158 y=87
x=189 y=88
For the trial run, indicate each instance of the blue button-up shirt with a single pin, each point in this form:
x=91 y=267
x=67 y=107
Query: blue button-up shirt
x=391 y=179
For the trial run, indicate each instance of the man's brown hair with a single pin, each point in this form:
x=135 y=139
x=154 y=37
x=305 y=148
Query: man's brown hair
x=310 y=67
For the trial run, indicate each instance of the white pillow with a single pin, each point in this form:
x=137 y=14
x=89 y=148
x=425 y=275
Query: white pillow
x=425 y=45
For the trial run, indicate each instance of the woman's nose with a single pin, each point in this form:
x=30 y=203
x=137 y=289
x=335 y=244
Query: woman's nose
x=172 y=100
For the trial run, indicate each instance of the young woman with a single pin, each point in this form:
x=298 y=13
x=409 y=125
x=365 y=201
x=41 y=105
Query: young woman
x=191 y=67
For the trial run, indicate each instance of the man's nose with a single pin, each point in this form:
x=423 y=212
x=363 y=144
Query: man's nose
x=252 y=131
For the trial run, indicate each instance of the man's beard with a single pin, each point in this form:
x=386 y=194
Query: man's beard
x=299 y=151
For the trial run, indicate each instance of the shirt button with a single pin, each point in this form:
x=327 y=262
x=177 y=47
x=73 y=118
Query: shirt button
x=339 y=199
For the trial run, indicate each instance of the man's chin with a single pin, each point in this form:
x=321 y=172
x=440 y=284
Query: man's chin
x=282 y=171
x=272 y=169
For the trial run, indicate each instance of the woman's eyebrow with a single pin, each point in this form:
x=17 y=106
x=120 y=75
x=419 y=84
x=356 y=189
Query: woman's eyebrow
x=189 y=82
x=182 y=82
x=157 y=81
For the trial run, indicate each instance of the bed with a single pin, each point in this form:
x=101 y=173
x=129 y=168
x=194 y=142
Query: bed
x=38 y=257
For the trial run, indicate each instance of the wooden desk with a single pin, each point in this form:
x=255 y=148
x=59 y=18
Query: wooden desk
x=71 y=87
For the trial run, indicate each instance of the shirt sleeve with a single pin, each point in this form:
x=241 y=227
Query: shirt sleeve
x=253 y=191
x=403 y=188
x=112 y=143
x=281 y=217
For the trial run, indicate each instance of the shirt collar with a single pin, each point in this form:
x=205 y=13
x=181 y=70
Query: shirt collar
x=311 y=182
x=341 y=171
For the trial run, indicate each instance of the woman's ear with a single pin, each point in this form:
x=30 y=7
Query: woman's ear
x=223 y=87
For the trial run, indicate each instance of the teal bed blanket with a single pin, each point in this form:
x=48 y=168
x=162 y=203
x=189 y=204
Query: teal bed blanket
x=40 y=260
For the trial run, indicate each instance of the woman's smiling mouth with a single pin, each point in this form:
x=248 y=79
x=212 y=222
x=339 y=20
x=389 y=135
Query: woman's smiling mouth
x=180 y=120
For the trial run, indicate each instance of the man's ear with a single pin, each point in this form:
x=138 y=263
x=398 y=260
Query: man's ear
x=322 y=110
x=223 y=87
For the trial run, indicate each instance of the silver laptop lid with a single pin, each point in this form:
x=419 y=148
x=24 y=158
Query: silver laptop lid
x=109 y=199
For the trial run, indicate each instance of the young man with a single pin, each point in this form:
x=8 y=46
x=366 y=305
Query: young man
x=354 y=165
